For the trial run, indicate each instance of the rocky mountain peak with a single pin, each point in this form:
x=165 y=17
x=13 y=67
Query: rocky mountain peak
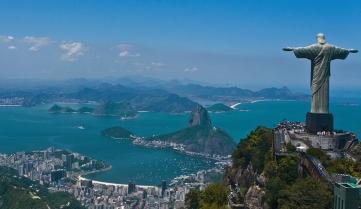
x=199 y=117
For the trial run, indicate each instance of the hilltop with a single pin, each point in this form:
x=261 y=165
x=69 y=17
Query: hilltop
x=259 y=179
x=200 y=136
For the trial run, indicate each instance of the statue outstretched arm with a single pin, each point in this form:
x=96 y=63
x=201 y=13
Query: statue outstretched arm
x=342 y=53
x=288 y=49
x=353 y=50
x=308 y=52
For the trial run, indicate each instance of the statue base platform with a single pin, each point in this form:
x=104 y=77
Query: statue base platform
x=316 y=122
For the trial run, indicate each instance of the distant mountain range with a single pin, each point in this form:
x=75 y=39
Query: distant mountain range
x=147 y=95
x=233 y=94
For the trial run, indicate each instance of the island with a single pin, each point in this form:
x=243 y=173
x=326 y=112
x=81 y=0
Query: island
x=122 y=109
x=199 y=138
x=219 y=107
x=117 y=132
x=118 y=109
x=59 y=109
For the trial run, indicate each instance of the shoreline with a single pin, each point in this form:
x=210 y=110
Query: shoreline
x=109 y=167
x=11 y=105
x=179 y=148
x=80 y=177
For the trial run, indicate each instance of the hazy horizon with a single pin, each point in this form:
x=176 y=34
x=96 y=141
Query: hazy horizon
x=236 y=43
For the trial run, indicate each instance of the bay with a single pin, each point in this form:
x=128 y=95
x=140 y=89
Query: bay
x=25 y=129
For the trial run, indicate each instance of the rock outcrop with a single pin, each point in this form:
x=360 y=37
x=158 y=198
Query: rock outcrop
x=254 y=198
x=200 y=136
x=199 y=117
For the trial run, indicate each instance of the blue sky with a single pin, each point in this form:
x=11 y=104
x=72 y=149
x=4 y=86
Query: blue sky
x=225 y=42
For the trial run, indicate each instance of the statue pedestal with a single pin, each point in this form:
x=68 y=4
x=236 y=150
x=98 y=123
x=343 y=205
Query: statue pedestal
x=316 y=122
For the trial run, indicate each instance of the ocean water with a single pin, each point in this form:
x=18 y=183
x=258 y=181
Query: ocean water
x=34 y=128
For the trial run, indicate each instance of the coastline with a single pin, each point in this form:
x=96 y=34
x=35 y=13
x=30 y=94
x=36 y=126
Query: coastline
x=154 y=144
x=85 y=173
x=234 y=106
x=80 y=178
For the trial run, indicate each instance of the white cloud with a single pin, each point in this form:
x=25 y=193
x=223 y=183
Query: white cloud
x=36 y=42
x=123 y=53
x=127 y=50
x=157 y=64
x=6 y=39
x=192 y=69
x=147 y=66
x=12 y=47
x=73 y=50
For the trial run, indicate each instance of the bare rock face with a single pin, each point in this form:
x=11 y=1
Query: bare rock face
x=254 y=198
x=200 y=136
x=261 y=179
x=199 y=117
x=354 y=150
x=246 y=177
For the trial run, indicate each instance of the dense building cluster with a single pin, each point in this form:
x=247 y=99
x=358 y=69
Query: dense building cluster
x=50 y=165
x=104 y=195
x=11 y=101
x=61 y=170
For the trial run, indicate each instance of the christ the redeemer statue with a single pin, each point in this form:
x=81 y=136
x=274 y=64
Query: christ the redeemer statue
x=321 y=54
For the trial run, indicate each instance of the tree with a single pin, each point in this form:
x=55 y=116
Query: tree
x=306 y=194
x=288 y=169
x=273 y=187
x=214 y=196
x=254 y=149
x=319 y=154
x=192 y=199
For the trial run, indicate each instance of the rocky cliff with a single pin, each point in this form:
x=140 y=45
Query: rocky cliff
x=200 y=136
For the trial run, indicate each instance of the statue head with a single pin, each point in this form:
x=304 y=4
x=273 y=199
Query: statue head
x=321 y=38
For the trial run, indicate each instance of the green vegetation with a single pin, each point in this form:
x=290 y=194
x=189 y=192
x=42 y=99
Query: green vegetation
x=201 y=139
x=283 y=186
x=290 y=148
x=255 y=149
x=213 y=197
x=219 y=107
x=193 y=199
x=105 y=109
x=30 y=195
x=116 y=132
x=341 y=165
x=280 y=175
x=59 y=109
x=115 y=109
x=305 y=193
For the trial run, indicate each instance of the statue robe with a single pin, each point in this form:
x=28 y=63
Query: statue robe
x=320 y=56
